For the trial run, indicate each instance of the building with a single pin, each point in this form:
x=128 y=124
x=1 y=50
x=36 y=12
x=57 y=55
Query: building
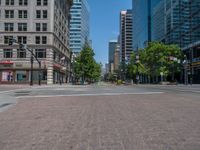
x=142 y=16
x=158 y=22
x=79 y=25
x=177 y=24
x=112 y=48
x=43 y=26
x=117 y=58
x=182 y=27
x=126 y=27
x=107 y=68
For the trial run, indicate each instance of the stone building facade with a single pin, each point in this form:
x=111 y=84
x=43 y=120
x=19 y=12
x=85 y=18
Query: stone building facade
x=43 y=25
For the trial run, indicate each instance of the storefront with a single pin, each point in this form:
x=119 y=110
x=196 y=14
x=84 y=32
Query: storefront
x=193 y=53
x=16 y=73
x=6 y=72
x=59 y=74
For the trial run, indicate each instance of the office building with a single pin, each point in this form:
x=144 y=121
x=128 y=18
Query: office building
x=43 y=26
x=112 y=47
x=126 y=27
x=182 y=27
x=79 y=25
x=117 y=58
x=142 y=18
x=158 y=22
x=107 y=68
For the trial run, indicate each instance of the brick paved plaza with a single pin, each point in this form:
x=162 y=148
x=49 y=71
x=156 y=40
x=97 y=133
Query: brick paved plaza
x=165 y=121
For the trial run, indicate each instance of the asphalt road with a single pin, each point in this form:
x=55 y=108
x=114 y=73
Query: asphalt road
x=100 y=117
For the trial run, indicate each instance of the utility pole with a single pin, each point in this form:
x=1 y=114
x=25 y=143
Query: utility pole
x=31 y=79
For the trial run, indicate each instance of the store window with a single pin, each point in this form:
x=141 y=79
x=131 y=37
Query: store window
x=21 y=75
x=7 y=76
x=36 y=75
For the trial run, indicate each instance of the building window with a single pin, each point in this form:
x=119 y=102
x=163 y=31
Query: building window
x=7 y=76
x=9 y=2
x=22 y=26
x=45 y=2
x=44 y=27
x=9 y=13
x=37 y=25
x=40 y=53
x=45 y=14
x=23 y=2
x=39 y=2
x=7 y=53
x=37 y=40
x=21 y=75
x=6 y=39
x=44 y=40
x=38 y=14
x=9 y=26
x=23 y=13
x=22 y=39
x=21 y=53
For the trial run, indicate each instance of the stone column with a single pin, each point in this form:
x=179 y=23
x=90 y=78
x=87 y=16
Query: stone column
x=50 y=66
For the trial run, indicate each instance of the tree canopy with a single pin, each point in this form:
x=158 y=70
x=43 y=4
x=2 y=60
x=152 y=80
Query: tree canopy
x=85 y=67
x=156 y=59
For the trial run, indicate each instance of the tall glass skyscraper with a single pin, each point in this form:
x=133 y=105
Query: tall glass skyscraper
x=111 y=53
x=142 y=28
x=79 y=25
x=183 y=28
x=180 y=20
x=158 y=22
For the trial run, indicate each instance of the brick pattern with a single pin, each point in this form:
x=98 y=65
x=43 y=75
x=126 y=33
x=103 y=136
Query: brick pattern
x=131 y=122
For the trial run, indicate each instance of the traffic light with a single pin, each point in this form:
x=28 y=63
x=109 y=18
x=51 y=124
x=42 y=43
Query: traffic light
x=21 y=46
x=10 y=41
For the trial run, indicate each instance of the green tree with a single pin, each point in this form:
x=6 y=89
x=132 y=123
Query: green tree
x=137 y=66
x=162 y=58
x=85 y=66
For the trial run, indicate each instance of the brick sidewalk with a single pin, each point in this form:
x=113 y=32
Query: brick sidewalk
x=137 y=122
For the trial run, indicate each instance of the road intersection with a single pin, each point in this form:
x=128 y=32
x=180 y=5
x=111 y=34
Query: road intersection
x=100 y=117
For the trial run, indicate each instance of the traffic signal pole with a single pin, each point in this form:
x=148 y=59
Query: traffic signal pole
x=31 y=79
x=11 y=41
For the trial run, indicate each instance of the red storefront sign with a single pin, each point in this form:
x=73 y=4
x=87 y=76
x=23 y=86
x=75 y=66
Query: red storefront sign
x=6 y=63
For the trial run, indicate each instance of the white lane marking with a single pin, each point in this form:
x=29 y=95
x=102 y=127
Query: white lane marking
x=2 y=92
x=44 y=88
x=96 y=94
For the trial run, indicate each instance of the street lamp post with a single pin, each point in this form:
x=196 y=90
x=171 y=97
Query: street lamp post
x=137 y=74
x=185 y=63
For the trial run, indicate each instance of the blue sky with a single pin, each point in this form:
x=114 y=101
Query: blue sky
x=104 y=24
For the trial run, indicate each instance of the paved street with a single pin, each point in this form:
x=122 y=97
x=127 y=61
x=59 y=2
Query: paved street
x=101 y=117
